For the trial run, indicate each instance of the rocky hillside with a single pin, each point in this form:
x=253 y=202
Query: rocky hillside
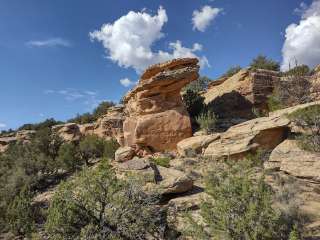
x=159 y=147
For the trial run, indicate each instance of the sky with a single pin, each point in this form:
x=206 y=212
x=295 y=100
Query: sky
x=59 y=58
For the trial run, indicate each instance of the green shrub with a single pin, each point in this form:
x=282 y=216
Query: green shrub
x=274 y=103
x=231 y=71
x=48 y=123
x=308 y=119
x=207 y=121
x=299 y=70
x=110 y=147
x=69 y=157
x=199 y=85
x=91 y=147
x=96 y=205
x=294 y=234
x=240 y=207
x=99 y=111
x=20 y=214
x=161 y=161
x=262 y=62
x=194 y=103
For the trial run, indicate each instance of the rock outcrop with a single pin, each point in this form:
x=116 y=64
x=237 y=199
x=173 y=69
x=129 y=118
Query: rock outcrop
x=111 y=125
x=20 y=136
x=190 y=147
x=265 y=133
x=156 y=117
x=291 y=159
x=235 y=97
x=69 y=132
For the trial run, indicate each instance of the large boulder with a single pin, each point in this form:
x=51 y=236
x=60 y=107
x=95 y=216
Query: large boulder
x=189 y=147
x=291 y=159
x=235 y=97
x=111 y=125
x=265 y=132
x=156 y=116
x=173 y=181
x=124 y=154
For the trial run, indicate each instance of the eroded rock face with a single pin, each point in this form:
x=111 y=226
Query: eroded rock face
x=111 y=125
x=190 y=147
x=23 y=136
x=265 y=133
x=156 y=117
x=69 y=132
x=290 y=158
x=235 y=97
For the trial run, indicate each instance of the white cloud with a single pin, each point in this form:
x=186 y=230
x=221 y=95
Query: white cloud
x=126 y=82
x=88 y=98
x=202 y=19
x=52 y=42
x=302 y=40
x=2 y=125
x=129 y=40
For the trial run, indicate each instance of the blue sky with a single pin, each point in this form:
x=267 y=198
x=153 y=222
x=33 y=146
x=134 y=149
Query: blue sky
x=51 y=67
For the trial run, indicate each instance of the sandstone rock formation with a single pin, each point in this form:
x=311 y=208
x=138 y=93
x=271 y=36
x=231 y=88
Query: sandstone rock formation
x=190 y=147
x=111 y=125
x=124 y=154
x=265 y=132
x=290 y=158
x=20 y=136
x=156 y=116
x=235 y=97
x=69 y=132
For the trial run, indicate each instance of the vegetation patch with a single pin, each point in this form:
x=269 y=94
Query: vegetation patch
x=308 y=120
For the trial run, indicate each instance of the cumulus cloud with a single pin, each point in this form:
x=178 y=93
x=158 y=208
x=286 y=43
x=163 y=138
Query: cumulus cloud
x=126 y=82
x=2 y=125
x=203 y=18
x=88 y=98
x=52 y=42
x=302 y=40
x=128 y=41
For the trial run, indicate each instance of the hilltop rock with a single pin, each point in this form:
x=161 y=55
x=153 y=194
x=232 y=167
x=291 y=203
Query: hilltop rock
x=111 y=125
x=69 y=132
x=23 y=136
x=86 y=129
x=156 y=117
x=235 y=97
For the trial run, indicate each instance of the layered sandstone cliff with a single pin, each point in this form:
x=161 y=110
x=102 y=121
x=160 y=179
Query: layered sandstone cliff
x=156 y=117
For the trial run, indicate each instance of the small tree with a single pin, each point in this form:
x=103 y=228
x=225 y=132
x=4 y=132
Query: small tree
x=102 y=109
x=231 y=71
x=207 y=121
x=194 y=103
x=262 y=62
x=110 y=147
x=91 y=147
x=308 y=119
x=198 y=85
x=240 y=207
x=69 y=157
x=96 y=205
x=20 y=214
